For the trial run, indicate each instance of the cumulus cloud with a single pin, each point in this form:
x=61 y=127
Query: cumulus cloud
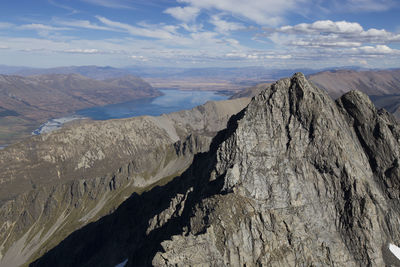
x=375 y=50
x=324 y=26
x=327 y=33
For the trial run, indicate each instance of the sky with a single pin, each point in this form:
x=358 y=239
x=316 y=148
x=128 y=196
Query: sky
x=275 y=34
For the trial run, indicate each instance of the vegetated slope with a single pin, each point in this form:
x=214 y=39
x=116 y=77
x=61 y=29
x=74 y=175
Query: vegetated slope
x=296 y=179
x=53 y=184
x=33 y=100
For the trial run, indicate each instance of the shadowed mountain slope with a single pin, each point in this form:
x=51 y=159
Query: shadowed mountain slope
x=296 y=179
x=53 y=184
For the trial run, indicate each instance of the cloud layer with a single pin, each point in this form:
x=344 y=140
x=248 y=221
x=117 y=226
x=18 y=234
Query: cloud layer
x=207 y=32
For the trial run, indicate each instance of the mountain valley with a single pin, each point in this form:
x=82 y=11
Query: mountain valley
x=295 y=178
x=27 y=102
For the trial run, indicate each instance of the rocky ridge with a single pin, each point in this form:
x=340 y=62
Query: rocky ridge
x=296 y=179
x=53 y=184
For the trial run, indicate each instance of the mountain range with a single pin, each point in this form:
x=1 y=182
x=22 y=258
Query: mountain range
x=26 y=102
x=288 y=178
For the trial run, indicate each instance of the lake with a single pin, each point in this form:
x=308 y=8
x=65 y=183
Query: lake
x=172 y=100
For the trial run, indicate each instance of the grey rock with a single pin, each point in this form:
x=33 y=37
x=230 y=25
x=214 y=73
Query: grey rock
x=296 y=179
x=54 y=184
x=306 y=181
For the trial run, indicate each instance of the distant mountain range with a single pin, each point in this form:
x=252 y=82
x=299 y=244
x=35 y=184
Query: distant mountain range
x=225 y=80
x=32 y=95
x=379 y=82
x=382 y=86
x=105 y=72
x=27 y=101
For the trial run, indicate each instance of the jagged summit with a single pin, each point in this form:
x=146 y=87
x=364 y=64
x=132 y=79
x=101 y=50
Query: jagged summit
x=295 y=180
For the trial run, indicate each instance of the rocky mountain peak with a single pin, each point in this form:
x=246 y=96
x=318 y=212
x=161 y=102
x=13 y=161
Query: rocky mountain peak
x=296 y=179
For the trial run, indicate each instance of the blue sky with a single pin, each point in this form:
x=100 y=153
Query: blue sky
x=201 y=33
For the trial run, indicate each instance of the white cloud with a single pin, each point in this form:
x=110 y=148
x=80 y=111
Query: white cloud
x=139 y=58
x=328 y=33
x=164 y=32
x=83 y=24
x=82 y=51
x=320 y=43
x=185 y=14
x=54 y=3
x=41 y=27
x=278 y=56
x=375 y=50
x=264 y=12
x=341 y=29
x=324 y=26
x=223 y=26
x=6 y=25
x=257 y=55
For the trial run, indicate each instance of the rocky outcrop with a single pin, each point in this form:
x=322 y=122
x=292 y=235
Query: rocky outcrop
x=296 y=179
x=53 y=184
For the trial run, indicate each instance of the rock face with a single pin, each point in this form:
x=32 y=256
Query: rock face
x=53 y=184
x=296 y=179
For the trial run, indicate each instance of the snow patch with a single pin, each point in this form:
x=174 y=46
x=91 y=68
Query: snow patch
x=122 y=264
x=395 y=250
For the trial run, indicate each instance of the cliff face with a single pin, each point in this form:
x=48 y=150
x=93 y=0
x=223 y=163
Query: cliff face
x=295 y=180
x=305 y=181
x=53 y=184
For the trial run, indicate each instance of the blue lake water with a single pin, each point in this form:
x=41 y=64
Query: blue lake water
x=172 y=100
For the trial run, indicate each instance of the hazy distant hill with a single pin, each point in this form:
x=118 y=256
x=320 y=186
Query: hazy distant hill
x=25 y=100
x=94 y=72
x=336 y=83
